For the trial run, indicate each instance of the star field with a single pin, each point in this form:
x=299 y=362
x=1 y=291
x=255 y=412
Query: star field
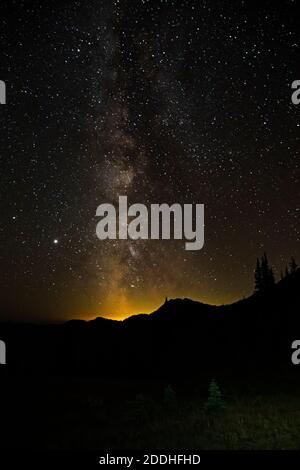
x=162 y=101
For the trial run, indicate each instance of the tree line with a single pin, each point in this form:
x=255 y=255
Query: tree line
x=264 y=277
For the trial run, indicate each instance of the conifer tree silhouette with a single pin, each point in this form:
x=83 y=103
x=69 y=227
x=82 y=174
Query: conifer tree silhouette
x=264 y=274
x=257 y=276
x=215 y=400
x=293 y=266
x=286 y=271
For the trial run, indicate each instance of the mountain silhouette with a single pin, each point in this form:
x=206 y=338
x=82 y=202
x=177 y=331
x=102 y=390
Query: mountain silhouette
x=182 y=337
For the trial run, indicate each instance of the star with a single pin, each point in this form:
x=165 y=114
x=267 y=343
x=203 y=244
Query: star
x=163 y=102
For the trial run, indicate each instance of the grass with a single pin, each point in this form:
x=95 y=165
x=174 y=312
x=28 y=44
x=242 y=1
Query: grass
x=97 y=415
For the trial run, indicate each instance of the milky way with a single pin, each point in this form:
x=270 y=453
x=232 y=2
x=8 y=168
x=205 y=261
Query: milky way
x=162 y=101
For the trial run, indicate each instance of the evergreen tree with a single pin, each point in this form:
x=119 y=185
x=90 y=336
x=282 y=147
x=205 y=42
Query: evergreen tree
x=215 y=400
x=170 y=398
x=264 y=274
x=286 y=271
x=271 y=277
x=293 y=266
x=257 y=276
x=264 y=270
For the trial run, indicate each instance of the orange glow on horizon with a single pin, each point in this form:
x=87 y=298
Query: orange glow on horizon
x=124 y=309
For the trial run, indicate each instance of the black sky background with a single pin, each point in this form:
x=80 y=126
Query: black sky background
x=163 y=101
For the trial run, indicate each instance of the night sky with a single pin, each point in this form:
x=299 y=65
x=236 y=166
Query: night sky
x=162 y=101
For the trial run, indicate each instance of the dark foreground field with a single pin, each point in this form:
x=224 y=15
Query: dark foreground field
x=162 y=364
x=56 y=413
